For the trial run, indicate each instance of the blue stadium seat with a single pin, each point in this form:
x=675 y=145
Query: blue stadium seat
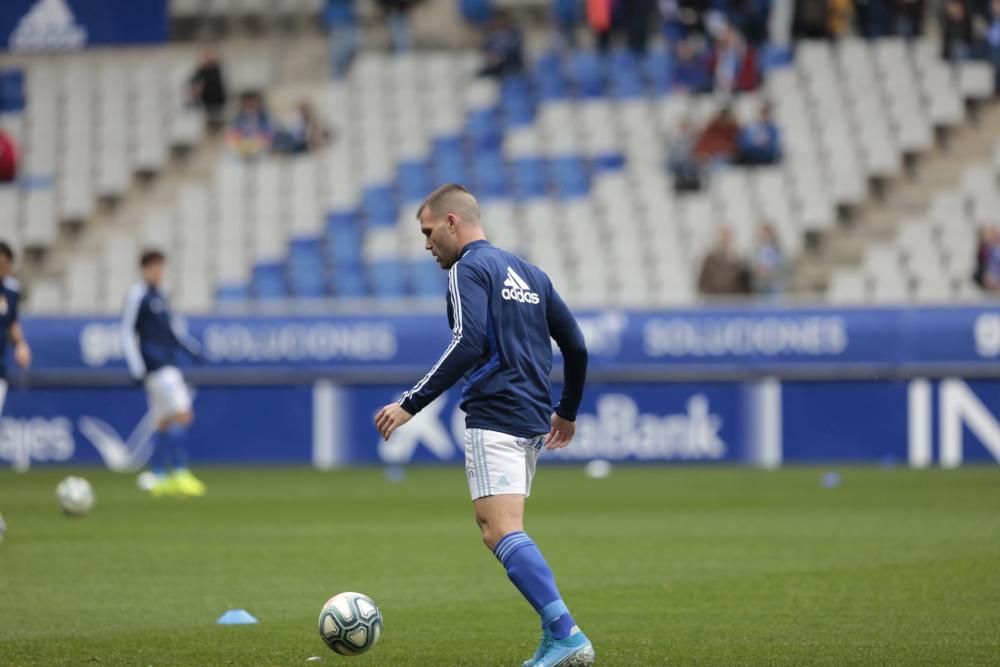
x=446 y=148
x=269 y=281
x=528 y=178
x=570 y=177
x=626 y=75
x=608 y=162
x=12 y=96
x=344 y=247
x=517 y=102
x=349 y=281
x=387 y=278
x=482 y=128
x=587 y=73
x=658 y=70
x=305 y=251
x=548 y=76
x=379 y=206
x=308 y=283
x=427 y=278
x=413 y=180
x=489 y=175
x=341 y=219
x=232 y=293
x=450 y=170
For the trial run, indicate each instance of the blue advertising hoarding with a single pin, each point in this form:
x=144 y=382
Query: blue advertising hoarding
x=64 y=25
x=624 y=345
x=920 y=422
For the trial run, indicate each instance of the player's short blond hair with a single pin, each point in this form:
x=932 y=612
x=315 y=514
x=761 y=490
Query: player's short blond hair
x=451 y=198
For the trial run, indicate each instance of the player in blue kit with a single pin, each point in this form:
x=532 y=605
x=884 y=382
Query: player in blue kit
x=153 y=342
x=504 y=313
x=10 y=326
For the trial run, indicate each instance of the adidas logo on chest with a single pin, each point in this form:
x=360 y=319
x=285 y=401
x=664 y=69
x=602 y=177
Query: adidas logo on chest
x=515 y=288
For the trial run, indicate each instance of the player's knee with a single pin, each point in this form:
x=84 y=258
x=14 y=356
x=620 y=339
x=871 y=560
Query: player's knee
x=491 y=535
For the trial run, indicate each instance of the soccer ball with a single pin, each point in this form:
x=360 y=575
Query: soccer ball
x=3 y=527
x=75 y=496
x=350 y=623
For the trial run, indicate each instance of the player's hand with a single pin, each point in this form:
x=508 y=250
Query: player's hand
x=562 y=432
x=390 y=418
x=22 y=354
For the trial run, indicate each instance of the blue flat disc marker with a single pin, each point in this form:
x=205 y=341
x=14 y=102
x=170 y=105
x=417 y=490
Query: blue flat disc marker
x=237 y=617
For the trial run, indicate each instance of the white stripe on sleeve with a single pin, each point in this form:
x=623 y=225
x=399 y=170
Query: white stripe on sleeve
x=130 y=339
x=456 y=307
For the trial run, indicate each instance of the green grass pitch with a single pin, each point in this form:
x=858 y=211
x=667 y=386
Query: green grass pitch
x=661 y=566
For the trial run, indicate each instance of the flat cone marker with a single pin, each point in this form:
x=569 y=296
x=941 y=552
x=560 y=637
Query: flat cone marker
x=237 y=617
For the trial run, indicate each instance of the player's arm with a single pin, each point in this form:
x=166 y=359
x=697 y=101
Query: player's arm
x=129 y=336
x=567 y=335
x=22 y=351
x=184 y=339
x=470 y=303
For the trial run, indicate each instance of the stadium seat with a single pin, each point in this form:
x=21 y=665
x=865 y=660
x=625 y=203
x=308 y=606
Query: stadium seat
x=269 y=281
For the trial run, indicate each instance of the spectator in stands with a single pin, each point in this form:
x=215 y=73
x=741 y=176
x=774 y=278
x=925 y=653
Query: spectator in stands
x=956 y=31
x=812 y=19
x=250 y=133
x=684 y=18
x=841 y=14
x=768 y=263
x=8 y=158
x=636 y=16
x=345 y=37
x=750 y=18
x=302 y=133
x=397 y=16
x=503 y=51
x=987 y=273
x=734 y=63
x=601 y=19
x=992 y=42
x=207 y=87
x=717 y=143
x=909 y=18
x=760 y=141
x=723 y=273
x=874 y=17
x=681 y=160
x=690 y=73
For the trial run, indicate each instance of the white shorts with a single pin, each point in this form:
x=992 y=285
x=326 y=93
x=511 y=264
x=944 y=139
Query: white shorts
x=499 y=464
x=167 y=394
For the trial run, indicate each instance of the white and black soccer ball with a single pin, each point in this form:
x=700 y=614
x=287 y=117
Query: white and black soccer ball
x=350 y=623
x=75 y=496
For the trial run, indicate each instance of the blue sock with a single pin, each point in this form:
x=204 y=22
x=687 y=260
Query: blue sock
x=160 y=461
x=175 y=436
x=528 y=570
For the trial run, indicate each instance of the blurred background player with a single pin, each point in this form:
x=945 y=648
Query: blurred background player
x=504 y=314
x=153 y=341
x=10 y=327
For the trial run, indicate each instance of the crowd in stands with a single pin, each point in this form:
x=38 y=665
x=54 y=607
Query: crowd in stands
x=725 y=273
x=252 y=131
x=694 y=152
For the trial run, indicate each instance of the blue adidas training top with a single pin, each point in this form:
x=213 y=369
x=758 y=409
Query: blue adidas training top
x=504 y=314
x=151 y=337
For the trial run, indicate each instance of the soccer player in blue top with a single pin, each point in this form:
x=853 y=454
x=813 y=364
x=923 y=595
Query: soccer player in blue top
x=10 y=326
x=153 y=342
x=504 y=313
